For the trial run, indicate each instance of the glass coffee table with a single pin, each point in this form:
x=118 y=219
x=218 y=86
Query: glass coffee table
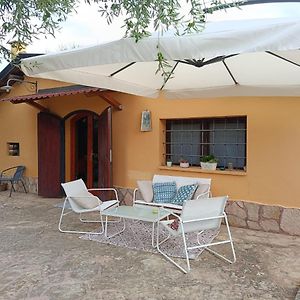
x=136 y=212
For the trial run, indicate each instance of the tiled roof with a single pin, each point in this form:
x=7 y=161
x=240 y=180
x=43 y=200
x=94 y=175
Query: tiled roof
x=55 y=92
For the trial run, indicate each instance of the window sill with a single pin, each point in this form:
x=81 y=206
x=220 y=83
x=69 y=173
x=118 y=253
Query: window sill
x=199 y=170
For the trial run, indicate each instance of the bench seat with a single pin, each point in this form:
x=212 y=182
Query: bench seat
x=143 y=195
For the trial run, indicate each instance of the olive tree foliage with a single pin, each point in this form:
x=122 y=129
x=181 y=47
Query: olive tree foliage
x=23 y=21
x=141 y=15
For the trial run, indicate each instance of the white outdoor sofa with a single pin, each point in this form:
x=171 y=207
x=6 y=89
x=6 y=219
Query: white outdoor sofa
x=143 y=195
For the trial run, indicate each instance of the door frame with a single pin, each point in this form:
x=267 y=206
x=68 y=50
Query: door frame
x=68 y=116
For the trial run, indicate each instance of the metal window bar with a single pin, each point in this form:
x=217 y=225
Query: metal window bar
x=208 y=134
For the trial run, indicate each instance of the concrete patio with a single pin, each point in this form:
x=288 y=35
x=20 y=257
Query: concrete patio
x=38 y=262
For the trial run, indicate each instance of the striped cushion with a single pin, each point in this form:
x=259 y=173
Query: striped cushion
x=164 y=192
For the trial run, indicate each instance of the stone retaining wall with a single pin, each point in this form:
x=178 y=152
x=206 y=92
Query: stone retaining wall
x=250 y=215
x=264 y=217
x=31 y=184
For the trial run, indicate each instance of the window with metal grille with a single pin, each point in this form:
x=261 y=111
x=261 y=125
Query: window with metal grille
x=190 y=139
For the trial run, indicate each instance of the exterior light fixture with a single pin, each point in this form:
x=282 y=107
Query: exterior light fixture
x=7 y=88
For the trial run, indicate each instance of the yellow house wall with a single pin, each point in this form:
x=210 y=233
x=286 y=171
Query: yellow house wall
x=18 y=124
x=273 y=144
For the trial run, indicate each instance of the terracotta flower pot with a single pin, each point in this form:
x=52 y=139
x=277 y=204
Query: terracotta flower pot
x=184 y=165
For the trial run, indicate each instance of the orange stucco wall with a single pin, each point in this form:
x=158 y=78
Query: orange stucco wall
x=273 y=143
x=18 y=124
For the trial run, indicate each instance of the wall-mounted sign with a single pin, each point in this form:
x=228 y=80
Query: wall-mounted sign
x=146 y=121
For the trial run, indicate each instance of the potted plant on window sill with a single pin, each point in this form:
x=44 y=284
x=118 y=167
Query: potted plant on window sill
x=169 y=162
x=208 y=162
x=183 y=163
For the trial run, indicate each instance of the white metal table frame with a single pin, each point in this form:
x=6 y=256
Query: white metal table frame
x=136 y=212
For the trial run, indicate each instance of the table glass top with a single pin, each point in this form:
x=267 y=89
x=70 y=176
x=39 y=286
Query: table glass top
x=137 y=212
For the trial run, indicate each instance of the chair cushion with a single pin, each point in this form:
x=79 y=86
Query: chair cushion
x=145 y=187
x=85 y=199
x=201 y=189
x=184 y=193
x=164 y=192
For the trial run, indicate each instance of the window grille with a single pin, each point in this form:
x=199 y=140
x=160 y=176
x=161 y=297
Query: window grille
x=190 y=139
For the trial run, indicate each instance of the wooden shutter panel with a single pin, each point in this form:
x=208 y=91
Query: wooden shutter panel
x=105 y=148
x=49 y=155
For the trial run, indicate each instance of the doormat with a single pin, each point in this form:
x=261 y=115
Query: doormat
x=137 y=236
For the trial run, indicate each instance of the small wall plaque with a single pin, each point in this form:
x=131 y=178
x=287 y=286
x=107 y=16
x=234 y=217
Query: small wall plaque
x=146 y=121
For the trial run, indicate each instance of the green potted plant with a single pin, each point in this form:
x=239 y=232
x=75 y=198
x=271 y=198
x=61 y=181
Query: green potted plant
x=208 y=162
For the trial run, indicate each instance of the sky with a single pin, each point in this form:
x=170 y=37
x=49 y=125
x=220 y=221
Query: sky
x=87 y=27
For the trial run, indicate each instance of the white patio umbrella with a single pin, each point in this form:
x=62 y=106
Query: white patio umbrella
x=236 y=58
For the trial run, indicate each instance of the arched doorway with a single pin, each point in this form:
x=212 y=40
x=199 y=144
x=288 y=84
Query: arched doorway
x=90 y=150
x=84 y=147
x=91 y=147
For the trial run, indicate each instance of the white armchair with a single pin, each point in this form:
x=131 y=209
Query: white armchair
x=82 y=201
x=197 y=216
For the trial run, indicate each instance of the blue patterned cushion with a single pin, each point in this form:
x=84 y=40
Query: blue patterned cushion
x=164 y=192
x=184 y=193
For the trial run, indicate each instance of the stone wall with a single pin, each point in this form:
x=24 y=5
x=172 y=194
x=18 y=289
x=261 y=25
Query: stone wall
x=31 y=184
x=263 y=217
x=249 y=215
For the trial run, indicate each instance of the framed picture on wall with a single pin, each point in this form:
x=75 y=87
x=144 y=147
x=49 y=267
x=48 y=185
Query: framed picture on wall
x=146 y=121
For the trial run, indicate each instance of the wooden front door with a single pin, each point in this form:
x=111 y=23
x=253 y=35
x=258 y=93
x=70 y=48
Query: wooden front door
x=84 y=148
x=91 y=148
x=105 y=148
x=49 y=155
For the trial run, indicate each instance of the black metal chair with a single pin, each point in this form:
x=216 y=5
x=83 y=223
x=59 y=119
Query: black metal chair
x=13 y=175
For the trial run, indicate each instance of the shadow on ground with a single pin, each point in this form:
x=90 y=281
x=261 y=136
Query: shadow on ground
x=38 y=262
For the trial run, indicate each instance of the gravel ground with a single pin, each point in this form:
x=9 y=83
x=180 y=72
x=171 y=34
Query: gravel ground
x=39 y=262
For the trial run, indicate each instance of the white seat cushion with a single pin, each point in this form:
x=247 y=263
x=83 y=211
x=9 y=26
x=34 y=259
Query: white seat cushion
x=202 y=189
x=145 y=187
x=85 y=199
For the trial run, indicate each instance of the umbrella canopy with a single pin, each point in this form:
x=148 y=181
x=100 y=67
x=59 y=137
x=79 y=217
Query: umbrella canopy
x=232 y=58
